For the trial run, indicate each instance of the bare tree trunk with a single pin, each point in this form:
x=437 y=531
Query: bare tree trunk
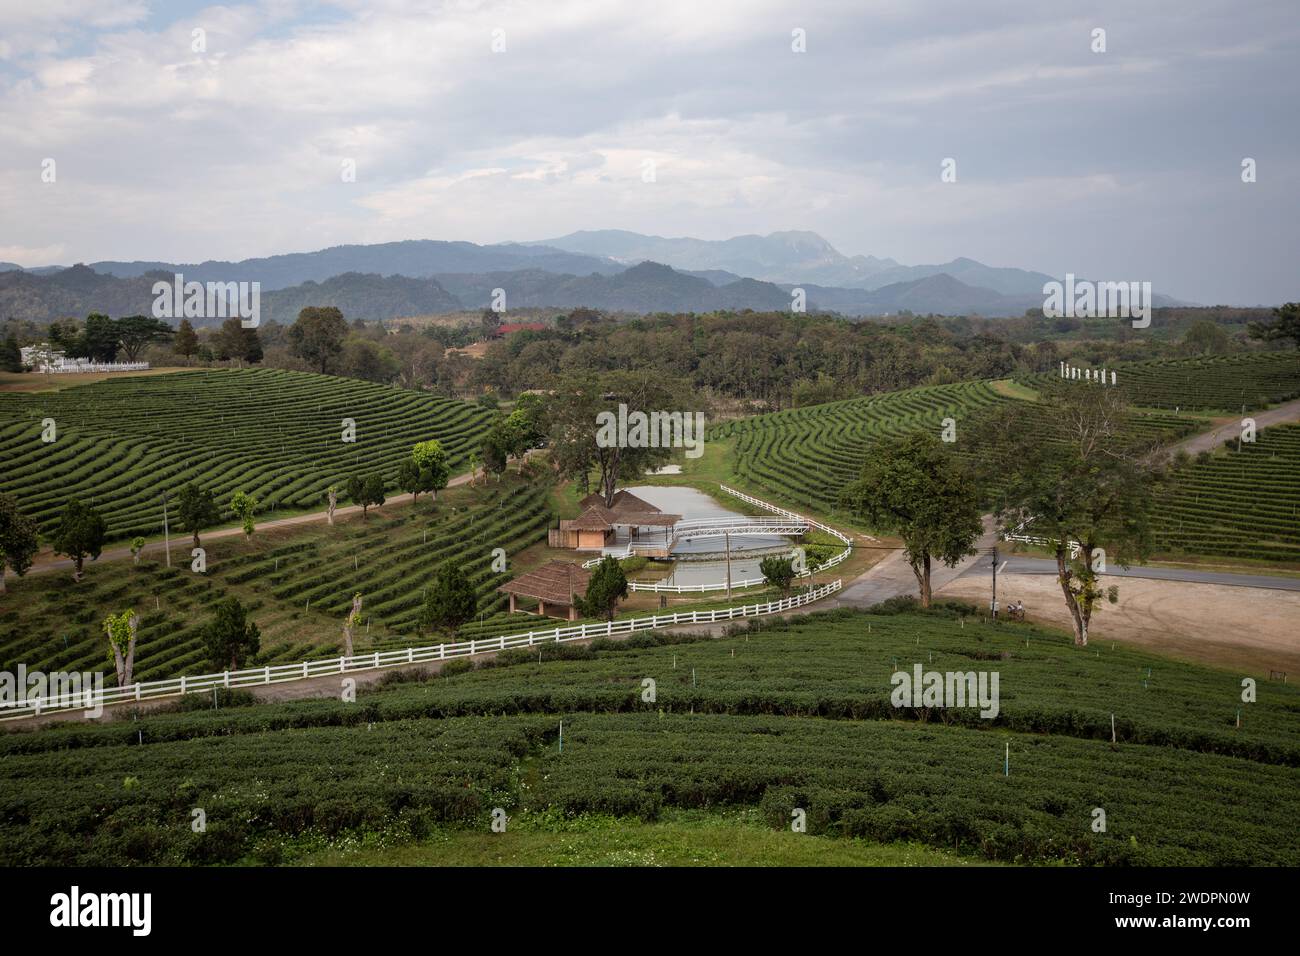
x=129 y=665
x=921 y=568
x=334 y=501
x=1065 y=576
x=351 y=622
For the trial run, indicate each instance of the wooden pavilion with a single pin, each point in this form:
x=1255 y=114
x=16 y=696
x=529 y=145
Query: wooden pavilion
x=597 y=525
x=555 y=586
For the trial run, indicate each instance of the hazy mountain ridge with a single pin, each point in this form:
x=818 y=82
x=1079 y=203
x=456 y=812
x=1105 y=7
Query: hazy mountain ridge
x=415 y=258
x=598 y=269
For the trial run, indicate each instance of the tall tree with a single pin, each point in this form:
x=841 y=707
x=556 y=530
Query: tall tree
x=233 y=342
x=608 y=586
x=451 y=601
x=366 y=490
x=197 y=510
x=580 y=441
x=98 y=340
x=1285 y=325
x=231 y=640
x=18 y=539
x=186 y=342
x=80 y=534
x=317 y=336
x=134 y=332
x=1078 y=471
x=496 y=451
x=11 y=356
x=426 y=469
x=915 y=488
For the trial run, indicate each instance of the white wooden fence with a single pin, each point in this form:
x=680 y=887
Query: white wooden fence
x=1018 y=534
x=257 y=676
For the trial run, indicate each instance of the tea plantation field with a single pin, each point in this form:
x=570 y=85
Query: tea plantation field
x=277 y=435
x=1221 y=383
x=1241 y=503
x=808 y=455
x=297 y=584
x=793 y=714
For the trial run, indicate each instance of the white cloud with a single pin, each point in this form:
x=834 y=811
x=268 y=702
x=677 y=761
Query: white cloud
x=236 y=151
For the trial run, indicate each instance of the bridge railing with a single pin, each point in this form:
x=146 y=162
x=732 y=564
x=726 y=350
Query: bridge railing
x=797 y=519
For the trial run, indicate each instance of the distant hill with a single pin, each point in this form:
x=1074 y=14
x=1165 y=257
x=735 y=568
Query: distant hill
x=778 y=257
x=73 y=293
x=9 y=266
x=417 y=258
x=361 y=296
x=647 y=287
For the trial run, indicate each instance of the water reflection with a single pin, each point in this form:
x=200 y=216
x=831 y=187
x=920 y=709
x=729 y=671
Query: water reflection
x=690 y=503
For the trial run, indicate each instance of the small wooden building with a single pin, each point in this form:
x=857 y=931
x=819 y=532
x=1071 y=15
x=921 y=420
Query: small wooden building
x=554 y=586
x=596 y=527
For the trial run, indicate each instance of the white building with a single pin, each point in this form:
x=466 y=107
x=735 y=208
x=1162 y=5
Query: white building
x=46 y=358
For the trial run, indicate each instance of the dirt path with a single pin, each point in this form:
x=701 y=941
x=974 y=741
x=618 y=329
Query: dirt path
x=1231 y=428
x=1214 y=624
x=47 y=561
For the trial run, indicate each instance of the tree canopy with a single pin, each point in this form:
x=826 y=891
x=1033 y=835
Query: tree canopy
x=916 y=488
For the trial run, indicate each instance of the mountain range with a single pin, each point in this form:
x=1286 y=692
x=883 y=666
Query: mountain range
x=613 y=270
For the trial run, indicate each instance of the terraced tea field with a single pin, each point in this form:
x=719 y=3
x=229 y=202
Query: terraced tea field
x=1241 y=503
x=807 y=455
x=276 y=435
x=793 y=715
x=1207 y=383
x=297 y=584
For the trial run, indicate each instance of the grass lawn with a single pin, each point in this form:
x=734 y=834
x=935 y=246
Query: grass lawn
x=685 y=838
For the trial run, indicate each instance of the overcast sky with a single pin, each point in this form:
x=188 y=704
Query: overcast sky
x=1117 y=165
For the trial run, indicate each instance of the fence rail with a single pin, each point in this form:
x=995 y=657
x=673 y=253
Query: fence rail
x=796 y=519
x=1018 y=534
x=258 y=676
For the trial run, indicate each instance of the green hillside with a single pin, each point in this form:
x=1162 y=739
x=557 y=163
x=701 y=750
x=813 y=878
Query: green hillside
x=277 y=435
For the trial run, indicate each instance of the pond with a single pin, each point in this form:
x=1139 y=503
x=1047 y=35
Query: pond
x=690 y=503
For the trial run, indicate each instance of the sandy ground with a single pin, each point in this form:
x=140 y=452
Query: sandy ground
x=1253 y=629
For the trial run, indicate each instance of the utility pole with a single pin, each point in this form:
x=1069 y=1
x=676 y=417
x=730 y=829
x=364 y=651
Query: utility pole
x=994 y=606
x=726 y=535
x=167 y=541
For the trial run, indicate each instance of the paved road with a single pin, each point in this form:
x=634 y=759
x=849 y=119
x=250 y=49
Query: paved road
x=1020 y=564
x=893 y=576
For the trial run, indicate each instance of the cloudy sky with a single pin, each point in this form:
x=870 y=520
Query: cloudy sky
x=1125 y=164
